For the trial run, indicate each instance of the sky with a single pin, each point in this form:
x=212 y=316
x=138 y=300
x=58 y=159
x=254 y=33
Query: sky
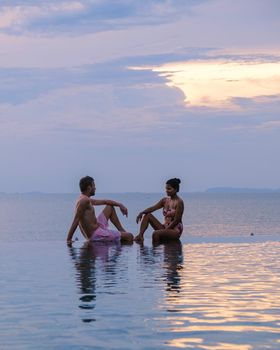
x=136 y=92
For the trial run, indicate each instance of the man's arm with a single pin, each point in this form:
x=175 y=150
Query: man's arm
x=123 y=209
x=105 y=202
x=79 y=213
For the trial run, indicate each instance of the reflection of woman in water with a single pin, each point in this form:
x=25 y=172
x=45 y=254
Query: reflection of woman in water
x=173 y=208
x=173 y=259
x=86 y=258
x=170 y=254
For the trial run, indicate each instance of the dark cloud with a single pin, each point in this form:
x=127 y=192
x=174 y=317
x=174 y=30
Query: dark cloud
x=21 y=84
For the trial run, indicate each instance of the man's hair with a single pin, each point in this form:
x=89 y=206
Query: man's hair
x=85 y=182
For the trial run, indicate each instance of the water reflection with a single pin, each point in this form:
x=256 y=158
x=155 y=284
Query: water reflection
x=197 y=296
x=224 y=297
x=87 y=260
x=173 y=260
x=170 y=256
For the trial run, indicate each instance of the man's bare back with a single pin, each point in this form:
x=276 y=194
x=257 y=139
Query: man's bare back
x=88 y=222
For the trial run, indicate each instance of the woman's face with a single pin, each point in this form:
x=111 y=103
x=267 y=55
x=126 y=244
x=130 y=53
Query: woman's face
x=170 y=191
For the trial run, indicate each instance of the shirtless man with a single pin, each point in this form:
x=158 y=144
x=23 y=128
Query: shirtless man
x=96 y=228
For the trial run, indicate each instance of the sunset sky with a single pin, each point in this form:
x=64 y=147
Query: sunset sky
x=134 y=92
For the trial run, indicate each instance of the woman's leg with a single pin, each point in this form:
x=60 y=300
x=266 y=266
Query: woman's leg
x=148 y=219
x=166 y=235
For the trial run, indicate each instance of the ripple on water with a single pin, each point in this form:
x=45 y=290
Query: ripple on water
x=227 y=292
x=197 y=296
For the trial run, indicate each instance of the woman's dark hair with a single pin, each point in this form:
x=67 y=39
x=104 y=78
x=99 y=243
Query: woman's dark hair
x=174 y=183
x=85 y=182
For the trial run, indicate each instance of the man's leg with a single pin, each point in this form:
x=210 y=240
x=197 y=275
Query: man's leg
x=110 y=213
x=126 y=237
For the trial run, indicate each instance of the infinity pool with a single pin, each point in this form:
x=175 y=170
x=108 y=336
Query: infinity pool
x=191 y=295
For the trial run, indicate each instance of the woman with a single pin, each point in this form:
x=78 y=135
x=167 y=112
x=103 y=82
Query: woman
x=173 y=208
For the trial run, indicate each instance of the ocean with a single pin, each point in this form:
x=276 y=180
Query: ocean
x=33 y=217
x=218 y=288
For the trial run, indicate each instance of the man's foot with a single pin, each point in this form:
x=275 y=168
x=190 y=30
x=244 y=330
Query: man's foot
x=139 y=238
x=126 y=237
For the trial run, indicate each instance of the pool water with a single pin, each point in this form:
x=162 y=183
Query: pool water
x=112 y=296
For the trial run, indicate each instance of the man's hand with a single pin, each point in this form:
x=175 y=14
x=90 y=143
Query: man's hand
x=124 y=210
x=139 y=217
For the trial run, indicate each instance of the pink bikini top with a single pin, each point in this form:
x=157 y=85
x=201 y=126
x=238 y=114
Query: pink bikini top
x=169 y=212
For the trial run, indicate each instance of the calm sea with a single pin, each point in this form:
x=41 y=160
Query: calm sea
x=44 y=217
x=209 y=291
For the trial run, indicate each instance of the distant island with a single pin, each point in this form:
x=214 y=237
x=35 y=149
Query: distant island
x=241 y=190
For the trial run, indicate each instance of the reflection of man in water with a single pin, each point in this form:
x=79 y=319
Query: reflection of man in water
x=86 y=258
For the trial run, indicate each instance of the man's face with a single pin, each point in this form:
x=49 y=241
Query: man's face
x=92 y=189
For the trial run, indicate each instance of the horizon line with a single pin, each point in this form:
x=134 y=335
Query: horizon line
x=208 y=191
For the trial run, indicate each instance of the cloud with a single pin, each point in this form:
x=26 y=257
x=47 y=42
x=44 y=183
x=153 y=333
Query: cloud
x=113 y=97
x=222 y=83
x=14 y=19
x=20 y=85
x=70 y=105
x=104 y=118
x=88 y=15
x=86 y=32
x=269 y=125
x=102 y=110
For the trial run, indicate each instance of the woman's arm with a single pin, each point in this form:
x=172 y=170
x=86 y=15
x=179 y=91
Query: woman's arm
x=155 y=207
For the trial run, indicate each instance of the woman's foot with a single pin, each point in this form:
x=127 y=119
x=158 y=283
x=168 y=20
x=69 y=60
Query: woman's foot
x=139 y=238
